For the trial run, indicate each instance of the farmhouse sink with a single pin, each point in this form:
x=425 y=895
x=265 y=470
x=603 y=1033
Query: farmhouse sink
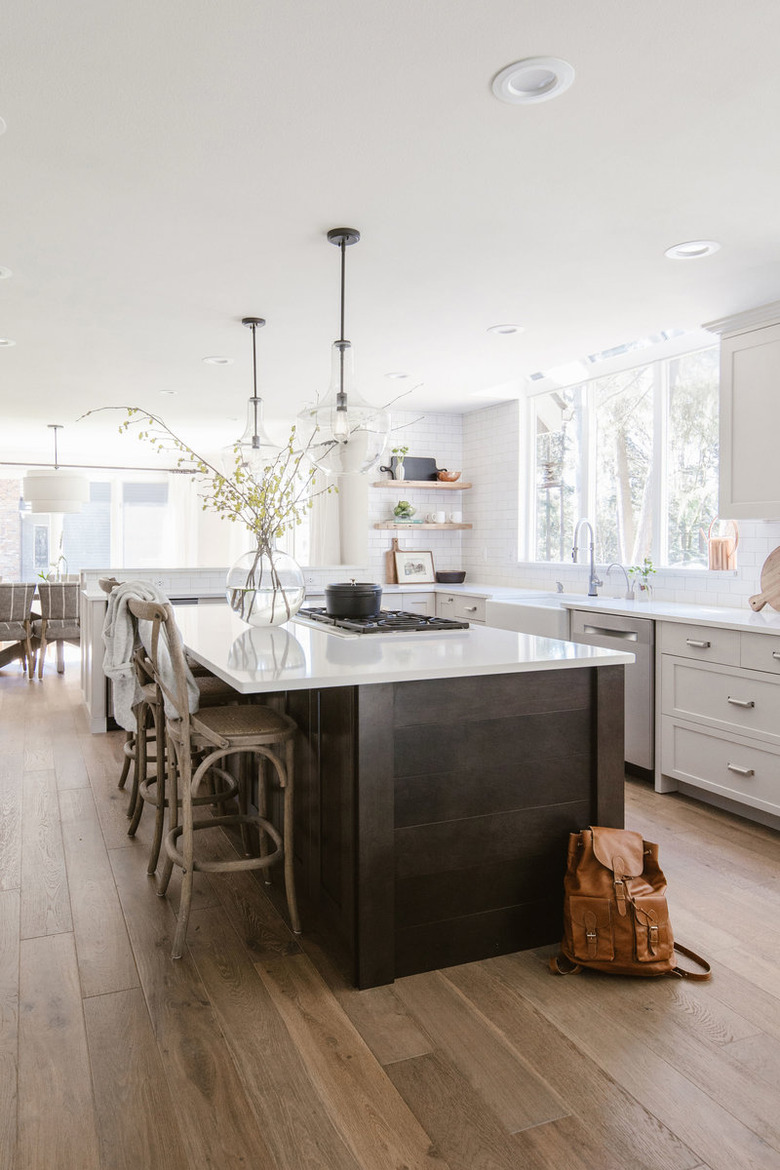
x=542 y=614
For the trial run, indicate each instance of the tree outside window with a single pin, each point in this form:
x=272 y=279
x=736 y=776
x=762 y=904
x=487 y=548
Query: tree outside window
x=637 y=451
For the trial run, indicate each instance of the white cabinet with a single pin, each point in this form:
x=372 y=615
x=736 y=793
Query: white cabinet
x=720 y=713
x=749 y=413
x=463 y=607
x=424 y=603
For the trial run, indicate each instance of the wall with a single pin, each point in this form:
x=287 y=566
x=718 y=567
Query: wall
x=10 y=529
x=491 y=458
x=438 y=436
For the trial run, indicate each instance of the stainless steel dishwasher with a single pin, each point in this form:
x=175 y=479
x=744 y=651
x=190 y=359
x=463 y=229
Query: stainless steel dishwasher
x=636 y=635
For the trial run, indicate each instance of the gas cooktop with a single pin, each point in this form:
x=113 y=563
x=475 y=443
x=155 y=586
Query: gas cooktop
x=392 y=621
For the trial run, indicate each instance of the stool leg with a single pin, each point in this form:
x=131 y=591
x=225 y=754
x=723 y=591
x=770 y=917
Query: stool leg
x=287 y=837
x=129 y=746
x=159 y=817
x=187 y=841
x=172 y=754
x=135 y=805
x=60 y=657
x=262 y=809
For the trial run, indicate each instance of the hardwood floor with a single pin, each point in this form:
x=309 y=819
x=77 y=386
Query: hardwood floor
x=252 y=1052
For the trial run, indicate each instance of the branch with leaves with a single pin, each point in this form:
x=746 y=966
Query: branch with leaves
x=268 y=507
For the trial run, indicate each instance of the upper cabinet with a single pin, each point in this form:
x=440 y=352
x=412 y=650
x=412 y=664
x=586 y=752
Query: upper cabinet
x=749 y=413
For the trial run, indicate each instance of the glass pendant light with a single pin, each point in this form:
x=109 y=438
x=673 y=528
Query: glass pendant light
x=255 y=450
x=56 y=490
x=345 y=435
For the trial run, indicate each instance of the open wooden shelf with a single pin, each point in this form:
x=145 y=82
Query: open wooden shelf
x=417 y=527
x=431 y=484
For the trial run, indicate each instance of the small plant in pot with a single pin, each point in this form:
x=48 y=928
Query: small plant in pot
x=640 y=577
x=404 y=510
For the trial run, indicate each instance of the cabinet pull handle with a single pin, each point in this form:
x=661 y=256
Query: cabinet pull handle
x=470 y=608
x=776 y=653
x=741 y=702
x=741 y=771
x=605 y=631
x=697 y=644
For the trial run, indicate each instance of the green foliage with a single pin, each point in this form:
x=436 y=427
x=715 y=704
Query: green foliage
x=643 y=571
x=404 y=510
x=268 y=508
x=399 y=453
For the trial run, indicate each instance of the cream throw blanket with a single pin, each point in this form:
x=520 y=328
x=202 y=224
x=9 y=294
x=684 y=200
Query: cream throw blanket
x=118 y=639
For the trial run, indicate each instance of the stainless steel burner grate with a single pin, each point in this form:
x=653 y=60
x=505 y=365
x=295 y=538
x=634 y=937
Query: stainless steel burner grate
x=387 y=622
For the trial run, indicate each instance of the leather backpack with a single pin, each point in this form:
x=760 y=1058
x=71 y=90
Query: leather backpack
x=615 y=916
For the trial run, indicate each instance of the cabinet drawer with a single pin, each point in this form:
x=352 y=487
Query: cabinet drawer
x=733 y=700
x=730 y=766
x=760 y=652
x=708 y=643
x=461 y=606
x=424 y=603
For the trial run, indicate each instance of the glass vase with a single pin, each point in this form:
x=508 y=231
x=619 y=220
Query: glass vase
x=265 y=587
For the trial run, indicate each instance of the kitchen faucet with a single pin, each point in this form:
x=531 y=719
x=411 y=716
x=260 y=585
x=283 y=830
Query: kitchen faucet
x=593 y=580
x=629 y=595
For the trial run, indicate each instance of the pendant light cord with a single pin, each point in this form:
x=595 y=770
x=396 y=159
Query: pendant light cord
x=255 y=435
x=343 y=246
x=341 y=399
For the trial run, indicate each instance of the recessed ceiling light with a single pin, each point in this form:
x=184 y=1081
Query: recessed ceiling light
x=505 y=329
x=216 y=360
x=536 y=79
x=5 y=273
x=396 y=374
x=169 y=393
x=692 y=250
x=6 y=341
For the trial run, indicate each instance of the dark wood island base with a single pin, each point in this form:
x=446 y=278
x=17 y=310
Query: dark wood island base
x=432 y=817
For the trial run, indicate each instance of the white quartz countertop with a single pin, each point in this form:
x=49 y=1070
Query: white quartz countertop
x=298 y=657
x=766 y=621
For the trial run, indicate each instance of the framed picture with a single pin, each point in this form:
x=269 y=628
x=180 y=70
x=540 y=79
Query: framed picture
x=414 y=568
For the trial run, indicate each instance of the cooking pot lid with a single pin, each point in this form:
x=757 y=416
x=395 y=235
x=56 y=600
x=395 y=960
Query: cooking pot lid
x=352 y=585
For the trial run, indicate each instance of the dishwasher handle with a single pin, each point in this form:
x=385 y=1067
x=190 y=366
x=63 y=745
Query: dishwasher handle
x=606 y=632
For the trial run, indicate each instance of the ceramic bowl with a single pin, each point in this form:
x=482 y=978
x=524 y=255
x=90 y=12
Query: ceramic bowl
x=448 y=476
x=451 y=576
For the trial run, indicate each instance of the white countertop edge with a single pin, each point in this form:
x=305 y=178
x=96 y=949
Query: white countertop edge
x=727 y=618
x=356 y=678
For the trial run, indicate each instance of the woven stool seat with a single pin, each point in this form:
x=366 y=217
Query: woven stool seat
x=258 y=724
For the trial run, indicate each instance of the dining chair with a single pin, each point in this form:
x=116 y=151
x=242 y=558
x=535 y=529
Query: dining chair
x=59 y=620
x=16 y=625
x=197 y=744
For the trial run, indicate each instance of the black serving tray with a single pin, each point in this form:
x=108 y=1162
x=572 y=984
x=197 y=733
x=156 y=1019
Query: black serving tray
x=414 y=468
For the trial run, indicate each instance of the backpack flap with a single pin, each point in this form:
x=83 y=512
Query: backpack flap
x=622 y=851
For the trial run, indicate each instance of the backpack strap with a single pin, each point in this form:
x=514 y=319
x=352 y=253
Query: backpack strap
x=560 y=965
x=681 y=973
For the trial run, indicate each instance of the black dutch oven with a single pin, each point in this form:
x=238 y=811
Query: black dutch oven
x=353 y=599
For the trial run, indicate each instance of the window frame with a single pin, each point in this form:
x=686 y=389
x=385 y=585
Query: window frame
x=660 y=363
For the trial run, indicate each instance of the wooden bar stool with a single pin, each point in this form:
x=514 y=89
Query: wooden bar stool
x=197 y=743
x=144 y=747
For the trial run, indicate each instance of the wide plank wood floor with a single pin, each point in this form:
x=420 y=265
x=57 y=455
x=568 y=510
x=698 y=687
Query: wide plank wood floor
x=253 y=1052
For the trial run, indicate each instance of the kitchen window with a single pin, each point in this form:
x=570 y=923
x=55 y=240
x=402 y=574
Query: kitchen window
x=636 y=451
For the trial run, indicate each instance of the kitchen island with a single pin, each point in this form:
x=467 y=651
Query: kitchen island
x=437 y=778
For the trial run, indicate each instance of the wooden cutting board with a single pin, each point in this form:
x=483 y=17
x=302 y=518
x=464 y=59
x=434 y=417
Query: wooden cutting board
x=391 y=573
x=770 y=583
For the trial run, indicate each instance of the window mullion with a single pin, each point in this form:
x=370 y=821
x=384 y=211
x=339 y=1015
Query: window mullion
x=660 y=535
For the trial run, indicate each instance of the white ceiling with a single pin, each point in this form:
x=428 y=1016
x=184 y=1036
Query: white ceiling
x=171 y=167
